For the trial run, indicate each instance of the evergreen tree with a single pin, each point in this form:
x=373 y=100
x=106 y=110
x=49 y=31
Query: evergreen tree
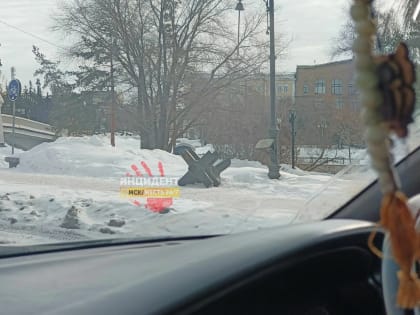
x=70 y=109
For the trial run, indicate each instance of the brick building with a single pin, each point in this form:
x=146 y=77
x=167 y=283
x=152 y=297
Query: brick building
x=260 y=84
x=243 y=103
x=327 y=104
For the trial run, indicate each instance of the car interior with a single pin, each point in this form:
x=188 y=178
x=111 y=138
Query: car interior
x=321 y=267
x=312 y=268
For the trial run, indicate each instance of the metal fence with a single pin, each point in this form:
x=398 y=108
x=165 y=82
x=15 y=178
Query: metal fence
x=328 y=161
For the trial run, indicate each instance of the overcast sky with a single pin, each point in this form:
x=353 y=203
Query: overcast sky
x=310 y=23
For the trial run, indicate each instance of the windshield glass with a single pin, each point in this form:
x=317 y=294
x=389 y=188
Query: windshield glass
x=150 y=118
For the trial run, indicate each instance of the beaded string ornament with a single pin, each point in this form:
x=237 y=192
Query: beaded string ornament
x=388 y=98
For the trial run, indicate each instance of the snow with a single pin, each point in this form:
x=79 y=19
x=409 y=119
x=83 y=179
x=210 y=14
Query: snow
x=193 y=142
x=94 y=157
x=400 y=148
x=69 y=190
x=196 y=144
x=4 y=152
x=204 y=149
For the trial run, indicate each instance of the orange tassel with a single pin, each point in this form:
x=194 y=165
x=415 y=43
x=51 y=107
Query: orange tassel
x=398 y=220
x=372 y=247
x=408 y=295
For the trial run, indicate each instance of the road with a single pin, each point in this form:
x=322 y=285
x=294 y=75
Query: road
x=39 y=202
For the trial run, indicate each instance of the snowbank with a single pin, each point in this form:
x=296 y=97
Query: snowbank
x=95 y=157
x=69 y=190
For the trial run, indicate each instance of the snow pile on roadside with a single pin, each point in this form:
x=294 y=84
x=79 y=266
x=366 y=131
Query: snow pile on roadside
x=69 y=190
x=95 y=157
x=48 y=208
x=295 y=171
x=47 y=215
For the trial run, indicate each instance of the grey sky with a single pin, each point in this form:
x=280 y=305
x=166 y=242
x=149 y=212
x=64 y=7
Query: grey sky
x=311 y=24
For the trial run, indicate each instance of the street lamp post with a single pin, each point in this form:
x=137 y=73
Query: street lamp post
x=112 y=93
x=292 y=119
x=239 y=8
x=2 y=143
x=322 y=126
x=13 y=74
x=273 y=169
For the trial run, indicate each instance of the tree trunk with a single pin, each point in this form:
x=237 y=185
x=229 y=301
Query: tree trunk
x=349 y=154
x=144 y=130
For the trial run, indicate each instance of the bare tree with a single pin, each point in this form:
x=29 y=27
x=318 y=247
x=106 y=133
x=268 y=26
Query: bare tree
x=390 y=33
x=348 y=128
x=240 y=117
x=407 y=7
x=237 y=121
x=161 y=43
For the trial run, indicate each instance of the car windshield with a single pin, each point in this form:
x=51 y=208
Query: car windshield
x=155 y=118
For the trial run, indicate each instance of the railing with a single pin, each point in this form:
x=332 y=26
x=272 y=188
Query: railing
x=27 y=124
x=329 y=161
x=310 y=154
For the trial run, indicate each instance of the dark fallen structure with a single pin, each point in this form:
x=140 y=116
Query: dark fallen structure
x=202 y=170
x=12 y=160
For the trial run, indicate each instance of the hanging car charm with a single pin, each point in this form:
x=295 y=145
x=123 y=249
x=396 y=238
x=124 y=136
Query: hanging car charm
x=387 y=96
x=396 y=76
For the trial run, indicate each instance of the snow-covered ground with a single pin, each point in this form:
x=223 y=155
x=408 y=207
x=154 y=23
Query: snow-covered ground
x=69 y=190
x=6 y=151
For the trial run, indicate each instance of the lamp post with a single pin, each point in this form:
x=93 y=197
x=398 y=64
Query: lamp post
x=239 y=8
x=2 y=143
x=322 y=126
x=13 y=74
x=273 y=169
x=292 y=119
x=113 y=46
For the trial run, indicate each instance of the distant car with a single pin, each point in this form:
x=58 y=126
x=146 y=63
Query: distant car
x=179 y=148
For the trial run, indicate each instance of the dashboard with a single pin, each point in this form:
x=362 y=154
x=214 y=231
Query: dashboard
x=313 y=268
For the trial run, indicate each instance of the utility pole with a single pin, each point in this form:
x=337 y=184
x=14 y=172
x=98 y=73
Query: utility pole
x=2 y=143
x=273 y=169
x=292 y=119
x=112 y=95
x=13 y=74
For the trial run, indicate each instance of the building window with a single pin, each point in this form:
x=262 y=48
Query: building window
x=320 y=87
x=305 y=89
x=336 y=87
x=339 y=103
x=282 y=89
x=352 y=89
